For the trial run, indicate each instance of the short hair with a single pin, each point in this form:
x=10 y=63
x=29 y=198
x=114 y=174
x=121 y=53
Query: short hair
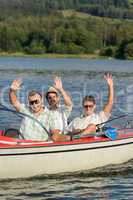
x=34 y=92
x=89 y=98
x=49 y=93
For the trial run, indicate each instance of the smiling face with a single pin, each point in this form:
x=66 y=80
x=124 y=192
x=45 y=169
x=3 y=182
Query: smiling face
x=35 y=102
x=89 y=107
x=53 y=99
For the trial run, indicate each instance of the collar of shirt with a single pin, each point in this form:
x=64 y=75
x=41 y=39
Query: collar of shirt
x=88 y=116
x=45 y=110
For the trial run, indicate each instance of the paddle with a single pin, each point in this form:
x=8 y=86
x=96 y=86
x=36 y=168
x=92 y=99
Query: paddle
x=20 y=114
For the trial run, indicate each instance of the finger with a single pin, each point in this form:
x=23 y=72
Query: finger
x=55 y=76
x=58 y=78
x=110 y=75
x=17 y=83
x=18 y=80
x=107 y=76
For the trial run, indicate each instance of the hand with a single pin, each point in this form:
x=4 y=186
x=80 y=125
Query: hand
x=91 y=128
x=108 y=77
x=16 y=84
x=58 y=83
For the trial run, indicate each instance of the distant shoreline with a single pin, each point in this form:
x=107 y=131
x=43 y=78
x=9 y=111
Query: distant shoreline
x=52 y=55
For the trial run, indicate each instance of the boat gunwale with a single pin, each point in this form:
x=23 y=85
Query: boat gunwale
x=82 y=141
x=67 y=150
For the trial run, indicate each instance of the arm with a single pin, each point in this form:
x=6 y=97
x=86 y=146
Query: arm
x=90 y=129
x=59 y=87
x=108 y=107
x=15 y=86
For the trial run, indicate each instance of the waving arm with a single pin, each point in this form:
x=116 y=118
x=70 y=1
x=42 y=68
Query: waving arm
x=58 y=85
x=15 y=86
x=108 y=107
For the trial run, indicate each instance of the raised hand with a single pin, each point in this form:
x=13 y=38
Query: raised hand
x=58 y=86
x=58 y=83
x=108 y=106
x=16 y=84
x=108 y=77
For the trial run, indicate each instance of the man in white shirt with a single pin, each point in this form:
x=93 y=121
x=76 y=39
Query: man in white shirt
x=58 y=114
x=86 y=123
x=30 y=128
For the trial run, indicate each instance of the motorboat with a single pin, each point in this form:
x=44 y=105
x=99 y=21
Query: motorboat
x=21 y=158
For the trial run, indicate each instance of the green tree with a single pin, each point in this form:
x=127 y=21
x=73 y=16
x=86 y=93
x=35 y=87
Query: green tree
x=36 y=47
x=128 y=51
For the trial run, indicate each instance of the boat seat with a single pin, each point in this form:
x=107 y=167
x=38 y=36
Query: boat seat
x=13 y=133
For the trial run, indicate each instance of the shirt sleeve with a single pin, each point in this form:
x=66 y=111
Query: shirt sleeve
x=66 y=109
x=103 y=117
x=24 y=109
x=70 y=126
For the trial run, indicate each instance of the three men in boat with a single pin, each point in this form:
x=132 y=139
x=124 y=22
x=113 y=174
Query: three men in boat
x=54 y=118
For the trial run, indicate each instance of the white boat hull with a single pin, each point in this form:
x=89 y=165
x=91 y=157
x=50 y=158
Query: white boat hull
x=32 y=161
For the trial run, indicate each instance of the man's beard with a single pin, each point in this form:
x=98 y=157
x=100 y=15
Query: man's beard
x=53 y=104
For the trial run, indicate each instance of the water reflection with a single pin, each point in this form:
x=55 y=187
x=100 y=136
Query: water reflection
x=71 y=187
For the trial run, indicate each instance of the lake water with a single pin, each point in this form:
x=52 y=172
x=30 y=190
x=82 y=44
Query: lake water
x=79 y=77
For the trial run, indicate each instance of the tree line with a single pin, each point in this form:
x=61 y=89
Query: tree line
x=103 y=8
x=67 y=35
x=107 y=11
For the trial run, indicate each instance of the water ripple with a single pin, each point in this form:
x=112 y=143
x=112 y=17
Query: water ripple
x=65 y=72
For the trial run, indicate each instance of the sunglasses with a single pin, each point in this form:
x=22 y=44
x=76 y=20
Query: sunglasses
x=88 y=106
x=34 y=102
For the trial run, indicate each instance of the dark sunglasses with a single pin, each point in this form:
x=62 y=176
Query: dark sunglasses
x=88 y=106
x=34 y=102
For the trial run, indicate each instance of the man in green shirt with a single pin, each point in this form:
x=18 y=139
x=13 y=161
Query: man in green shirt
x=29 y=128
